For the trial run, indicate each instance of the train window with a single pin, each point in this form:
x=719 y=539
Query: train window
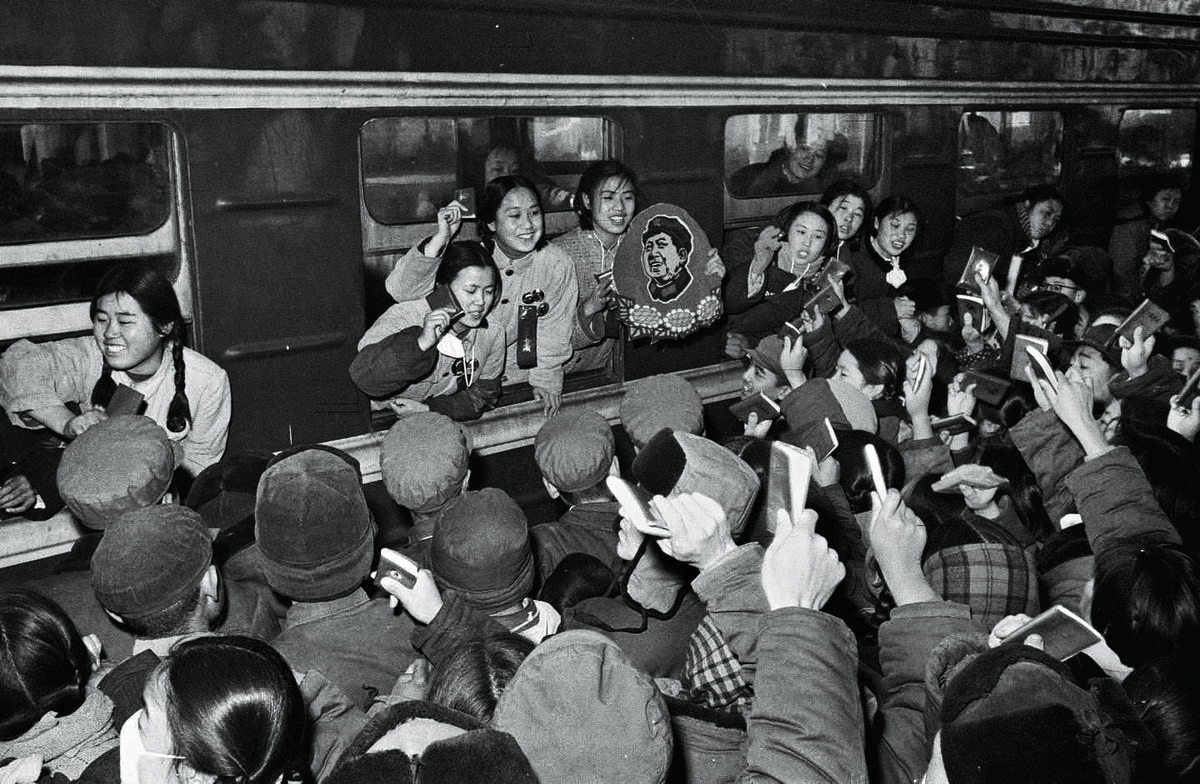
x=69 y=181
x=1155 y=140
x=75 y=199
x=777 y=154
x=1006 y=152
x=413 y=165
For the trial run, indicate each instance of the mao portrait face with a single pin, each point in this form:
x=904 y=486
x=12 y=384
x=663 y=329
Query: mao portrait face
x=666 y=246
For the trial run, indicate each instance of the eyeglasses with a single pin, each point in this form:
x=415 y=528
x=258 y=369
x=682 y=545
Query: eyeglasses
x=1061 y=288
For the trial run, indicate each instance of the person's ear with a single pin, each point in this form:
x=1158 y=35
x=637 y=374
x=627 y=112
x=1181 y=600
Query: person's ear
x=166 y=329
x=873 y=391
x=551 y=490
x=586 y=199
x=210 y=587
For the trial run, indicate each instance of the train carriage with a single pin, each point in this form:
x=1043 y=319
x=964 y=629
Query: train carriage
x=277 y=157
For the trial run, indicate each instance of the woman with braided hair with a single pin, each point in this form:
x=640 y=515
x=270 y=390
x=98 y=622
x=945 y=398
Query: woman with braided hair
x=137 y=342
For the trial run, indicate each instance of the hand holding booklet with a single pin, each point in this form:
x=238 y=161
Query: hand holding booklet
x=759 y=404
x=790 y=470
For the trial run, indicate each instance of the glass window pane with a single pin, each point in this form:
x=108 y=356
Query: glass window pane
x=1153 y=141
x=774 y=154
x=413 y=165
x=409 y=167
x=1006 y=152
x=68 y=181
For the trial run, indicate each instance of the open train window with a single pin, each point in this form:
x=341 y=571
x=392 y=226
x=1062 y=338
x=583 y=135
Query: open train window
x=1003 y=152
x=411 y=166
x=793 y=154
x=1153 y=141
x=75 y=199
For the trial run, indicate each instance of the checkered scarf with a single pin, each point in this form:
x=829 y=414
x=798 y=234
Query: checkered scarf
x=712 y=674
x=994 y=580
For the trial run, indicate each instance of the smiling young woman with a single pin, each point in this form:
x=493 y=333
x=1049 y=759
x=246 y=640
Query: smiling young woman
x=137 y=342
x=532 y=272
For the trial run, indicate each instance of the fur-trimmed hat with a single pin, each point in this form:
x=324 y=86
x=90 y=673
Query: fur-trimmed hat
x=424 y=460
x=118 y=465
x=652 y=403
x=312 y=524
x=673 y=462
x=446 y=746
x=1013 y=713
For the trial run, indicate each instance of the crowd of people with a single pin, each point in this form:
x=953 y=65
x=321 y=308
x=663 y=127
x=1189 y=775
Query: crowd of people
x=1033 y=414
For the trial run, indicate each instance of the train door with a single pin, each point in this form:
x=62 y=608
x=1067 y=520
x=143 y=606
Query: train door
x=279 y=269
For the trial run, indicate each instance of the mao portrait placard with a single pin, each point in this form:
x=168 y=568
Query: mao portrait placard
x=663 y=289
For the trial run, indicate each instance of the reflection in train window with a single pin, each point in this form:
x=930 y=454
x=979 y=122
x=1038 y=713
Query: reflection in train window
x=776 y=154
x=1155 y=140
x=411 y=166
x=68 y=181
x=76 y=199
x=1006 y=152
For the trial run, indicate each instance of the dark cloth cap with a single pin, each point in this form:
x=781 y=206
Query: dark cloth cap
x=574 y=450
x=312 y=524
x=481 y=549
x=115 y=466
x=766 y=355
x=1101 y=337
x=150 y=558
x=224 y=493
x=1015 y=714
x=652 y=403
x=427 y=731
x=424 y=460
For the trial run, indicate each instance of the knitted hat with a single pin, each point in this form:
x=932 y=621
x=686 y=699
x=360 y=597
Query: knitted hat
x=150 y=558
x=480 y=549
x=652 y=403
x=424 y=460
x=574 y=450
x=686 y=463
x=583 y=712
x=312 y=524
x=115 y=466
x=448 y=747
x=1014 y=714
x=224 y=493
x=766 y=355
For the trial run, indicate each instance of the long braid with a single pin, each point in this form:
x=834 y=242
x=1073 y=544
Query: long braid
x=105 y=387
x=179 y=415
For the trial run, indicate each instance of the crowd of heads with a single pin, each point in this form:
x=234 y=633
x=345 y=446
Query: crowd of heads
x=629 y=635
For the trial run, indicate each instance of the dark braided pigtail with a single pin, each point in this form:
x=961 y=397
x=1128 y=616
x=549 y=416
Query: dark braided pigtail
x=105 y=388
x=179 y=415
